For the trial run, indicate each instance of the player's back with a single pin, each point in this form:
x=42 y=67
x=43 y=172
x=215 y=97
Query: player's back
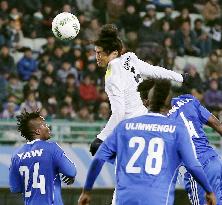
x=122 y=79
x=187 y=108
x=38 y=172
x=147 y=160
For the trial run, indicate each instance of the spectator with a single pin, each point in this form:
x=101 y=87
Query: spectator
x=211 y=11
x=65 y=70
x=31 y=103
x=14 y=34
x=10 y=111
x=4 y=9
x=48 y=16
x=31 y=85
x=194 y=81
x=7 y=63
x=58 y=57
x=52 y=106
x=87 y=90
x=213 y=97
x=104 y=112
x=147 y=33
x=50 y=70
x=183 y=17
x=91 y=71
x=213 y=65
x=43 y=60
x=92 y=31
x=44 y=113
x=164 y=32
x=64 y=112
x=115 y=9
x=15 y=87
x=69 y=88
x=203 y=40
x=47 y=88
x=168 y=49
x=216 y=35
x=167 y=17
x=186 y=41
x=68 y=99
x=84 y=115
x=130 y=23
x=3 y=89
x=26 y=65
x=49 y=47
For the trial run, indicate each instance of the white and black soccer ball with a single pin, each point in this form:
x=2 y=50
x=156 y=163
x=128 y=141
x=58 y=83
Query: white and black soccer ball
x=65 y=26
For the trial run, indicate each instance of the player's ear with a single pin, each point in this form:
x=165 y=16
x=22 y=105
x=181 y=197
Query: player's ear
x=37 y=131
x=115 y=53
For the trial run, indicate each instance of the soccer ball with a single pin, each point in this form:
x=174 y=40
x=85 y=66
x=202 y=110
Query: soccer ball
x=65 y=26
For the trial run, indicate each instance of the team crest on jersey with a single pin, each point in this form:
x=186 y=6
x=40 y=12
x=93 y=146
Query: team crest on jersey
x=108 y=72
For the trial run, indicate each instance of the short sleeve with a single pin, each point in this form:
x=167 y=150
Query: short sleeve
x=62 y=163
x=203 y=112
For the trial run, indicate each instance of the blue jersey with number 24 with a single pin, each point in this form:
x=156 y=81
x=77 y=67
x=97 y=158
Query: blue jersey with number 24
x=35 y=170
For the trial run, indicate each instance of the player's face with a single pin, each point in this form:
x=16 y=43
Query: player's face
x=102 y=57
x=42 y=129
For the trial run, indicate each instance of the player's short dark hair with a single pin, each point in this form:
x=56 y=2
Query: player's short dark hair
x=23 y=123
x=160 y=94
x=144 y=88
x=109 y=39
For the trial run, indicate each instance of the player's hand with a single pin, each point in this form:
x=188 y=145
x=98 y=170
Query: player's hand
x=186 y=78
x=210 y=198
x=95 y=146
x=68 y=180
x=84 y=198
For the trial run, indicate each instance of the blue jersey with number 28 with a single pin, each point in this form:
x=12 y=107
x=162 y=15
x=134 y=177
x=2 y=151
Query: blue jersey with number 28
x=149 y=150
x=35 y=170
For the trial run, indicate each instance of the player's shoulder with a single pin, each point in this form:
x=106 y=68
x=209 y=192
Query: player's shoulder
x=128 y=54
x=182 y=102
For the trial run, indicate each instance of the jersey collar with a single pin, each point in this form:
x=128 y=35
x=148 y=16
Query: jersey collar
x=33 y=141
x=155 y=114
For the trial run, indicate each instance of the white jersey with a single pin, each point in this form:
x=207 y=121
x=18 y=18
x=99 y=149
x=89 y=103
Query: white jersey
x=123 y=76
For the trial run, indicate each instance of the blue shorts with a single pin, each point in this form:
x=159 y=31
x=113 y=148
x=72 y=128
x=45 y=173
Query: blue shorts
x=213 y=170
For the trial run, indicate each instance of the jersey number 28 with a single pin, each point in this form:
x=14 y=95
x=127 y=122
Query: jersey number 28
x=154 y=159
x=35 y=184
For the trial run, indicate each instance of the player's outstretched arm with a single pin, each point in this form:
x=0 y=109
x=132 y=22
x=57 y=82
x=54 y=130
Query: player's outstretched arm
x=215 y=124
x=151 y=71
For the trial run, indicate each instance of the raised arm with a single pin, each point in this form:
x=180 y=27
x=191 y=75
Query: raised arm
x=215 y=124
x=151 y=71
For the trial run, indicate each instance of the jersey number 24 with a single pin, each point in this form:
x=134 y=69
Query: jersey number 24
x=35 y=184
x=154 y=159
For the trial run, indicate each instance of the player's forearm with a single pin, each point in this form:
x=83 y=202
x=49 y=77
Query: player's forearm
x=151 y=71
x=93 y=172
x=215 y=124
x=199 y=175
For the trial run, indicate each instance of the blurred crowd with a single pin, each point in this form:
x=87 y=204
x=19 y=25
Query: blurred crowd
x=61 y=78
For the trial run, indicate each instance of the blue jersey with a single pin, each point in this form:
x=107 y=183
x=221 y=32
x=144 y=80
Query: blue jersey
x=187 y=108
x=149 y=151
x=35 y=170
